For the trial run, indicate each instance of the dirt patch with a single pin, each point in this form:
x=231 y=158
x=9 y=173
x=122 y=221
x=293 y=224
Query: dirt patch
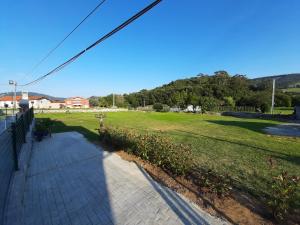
x=237 y=209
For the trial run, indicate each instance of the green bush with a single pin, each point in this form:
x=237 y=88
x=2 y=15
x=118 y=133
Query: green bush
x=159 y=150
x=283 y=100
x=265 y=107
x=175 y=158
x=284 y=188
x=158 y=107
x=42 y=125
x=229 y=101
x=208 y=103
x=296 y=100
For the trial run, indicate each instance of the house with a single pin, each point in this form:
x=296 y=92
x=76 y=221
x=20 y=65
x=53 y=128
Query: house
x=9 y=101
x=57 y=104
x=38 y=102
x=77 y=102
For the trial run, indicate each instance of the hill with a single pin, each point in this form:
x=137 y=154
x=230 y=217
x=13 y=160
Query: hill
x=285 y=81
x=220 y=89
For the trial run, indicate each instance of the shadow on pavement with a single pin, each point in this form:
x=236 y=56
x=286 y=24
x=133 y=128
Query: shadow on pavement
x=66 y=182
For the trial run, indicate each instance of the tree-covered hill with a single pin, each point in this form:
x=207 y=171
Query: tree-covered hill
x=219 y=89
x=207 y=91
x=282 y=81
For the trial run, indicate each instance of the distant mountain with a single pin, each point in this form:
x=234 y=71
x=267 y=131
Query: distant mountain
x=32 y=94
x=282 y=81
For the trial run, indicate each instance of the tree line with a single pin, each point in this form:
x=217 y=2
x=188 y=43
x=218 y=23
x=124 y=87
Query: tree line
x=207 y=91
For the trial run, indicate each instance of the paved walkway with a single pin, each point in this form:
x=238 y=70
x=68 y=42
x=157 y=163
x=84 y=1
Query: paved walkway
x=289 y=129
x=71 y=181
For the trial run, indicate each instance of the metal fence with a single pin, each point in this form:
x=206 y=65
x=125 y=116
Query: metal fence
x=19 y=130
x=11 y=141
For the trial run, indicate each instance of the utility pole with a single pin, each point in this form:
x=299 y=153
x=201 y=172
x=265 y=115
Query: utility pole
x=273 y=96
x=14 y=83
x=113 y=100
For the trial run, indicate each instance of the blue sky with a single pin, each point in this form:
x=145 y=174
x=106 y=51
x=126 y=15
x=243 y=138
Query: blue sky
x=177 y=39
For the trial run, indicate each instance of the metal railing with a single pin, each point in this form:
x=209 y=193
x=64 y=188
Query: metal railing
x=11 y=141
x=19 y=130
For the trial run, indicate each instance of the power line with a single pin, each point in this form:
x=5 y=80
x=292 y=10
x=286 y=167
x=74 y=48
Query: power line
x=63 y=40
x=106 y=36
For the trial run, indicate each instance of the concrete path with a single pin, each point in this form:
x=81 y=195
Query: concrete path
x=289 y=129
x=71 y=181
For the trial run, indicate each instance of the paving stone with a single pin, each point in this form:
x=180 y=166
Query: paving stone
x=71 y=181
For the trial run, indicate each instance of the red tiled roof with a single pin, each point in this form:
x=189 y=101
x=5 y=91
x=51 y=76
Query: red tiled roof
x=36 y=97
x=9 y=98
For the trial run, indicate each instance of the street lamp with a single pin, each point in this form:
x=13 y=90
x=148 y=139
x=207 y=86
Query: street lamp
x=14 y=83
x=5 y=105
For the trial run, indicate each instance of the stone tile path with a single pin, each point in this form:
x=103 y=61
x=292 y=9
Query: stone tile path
x=73 y=182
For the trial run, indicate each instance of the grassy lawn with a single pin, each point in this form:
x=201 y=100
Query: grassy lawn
x=229 y=145
x=294 y=90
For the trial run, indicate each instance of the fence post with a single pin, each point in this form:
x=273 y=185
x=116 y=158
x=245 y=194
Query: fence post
x=14 y=144
x=22 y=121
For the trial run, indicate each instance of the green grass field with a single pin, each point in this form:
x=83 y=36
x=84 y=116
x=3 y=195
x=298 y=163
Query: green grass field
x=229 y=145
x=293 y=90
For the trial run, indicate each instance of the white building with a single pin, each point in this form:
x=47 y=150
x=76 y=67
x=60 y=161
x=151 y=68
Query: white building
x=8 y=100
x=38 y=102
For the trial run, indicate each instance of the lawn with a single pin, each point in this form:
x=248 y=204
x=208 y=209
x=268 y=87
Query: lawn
x=293 y=90
x=229 y=145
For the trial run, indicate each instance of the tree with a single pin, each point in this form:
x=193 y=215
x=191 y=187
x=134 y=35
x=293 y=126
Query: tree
x=296 y=100
x=229 y=101
x=259 y=100
x=194 y=101
x=283 y=100
x=94 y=101
x=103 y=102
x=208 y=103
